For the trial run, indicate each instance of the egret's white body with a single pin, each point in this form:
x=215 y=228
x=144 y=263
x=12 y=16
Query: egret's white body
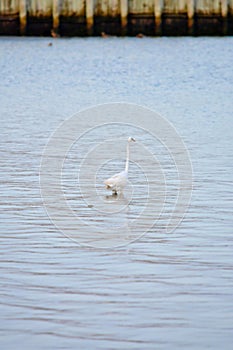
x=117 y=182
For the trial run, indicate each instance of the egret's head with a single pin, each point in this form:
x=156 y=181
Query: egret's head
x=131 y=139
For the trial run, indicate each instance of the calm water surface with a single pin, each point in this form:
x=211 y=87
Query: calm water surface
x=165 y=291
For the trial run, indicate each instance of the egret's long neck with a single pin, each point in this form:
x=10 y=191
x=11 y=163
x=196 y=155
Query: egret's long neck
x=127 y=158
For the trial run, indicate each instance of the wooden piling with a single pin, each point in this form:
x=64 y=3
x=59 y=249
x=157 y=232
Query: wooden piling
x=22 y=16
x=90 y=16
x=224 y=8
x=190 y=15
x=56 y=17
x=124 y=16
x=224 y=11
x=158 y=6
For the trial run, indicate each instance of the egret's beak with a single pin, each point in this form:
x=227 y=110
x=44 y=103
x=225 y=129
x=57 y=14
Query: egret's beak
x=133 y=139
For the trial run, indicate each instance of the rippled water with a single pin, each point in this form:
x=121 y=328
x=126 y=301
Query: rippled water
x=164 y=290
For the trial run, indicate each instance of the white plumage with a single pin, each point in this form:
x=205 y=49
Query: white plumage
x=117 y=182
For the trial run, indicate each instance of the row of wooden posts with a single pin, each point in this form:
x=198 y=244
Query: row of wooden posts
x=224 y=13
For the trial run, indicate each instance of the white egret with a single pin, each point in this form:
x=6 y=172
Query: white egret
x=117 y=182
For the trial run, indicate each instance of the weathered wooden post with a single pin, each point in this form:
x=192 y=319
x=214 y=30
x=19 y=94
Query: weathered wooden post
x=158 y=8
x=190 y=15
x=56 y=17
x=90 y=16
x=224 y=12
x=224 y=8
x=22 y=16
x=124 y=16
